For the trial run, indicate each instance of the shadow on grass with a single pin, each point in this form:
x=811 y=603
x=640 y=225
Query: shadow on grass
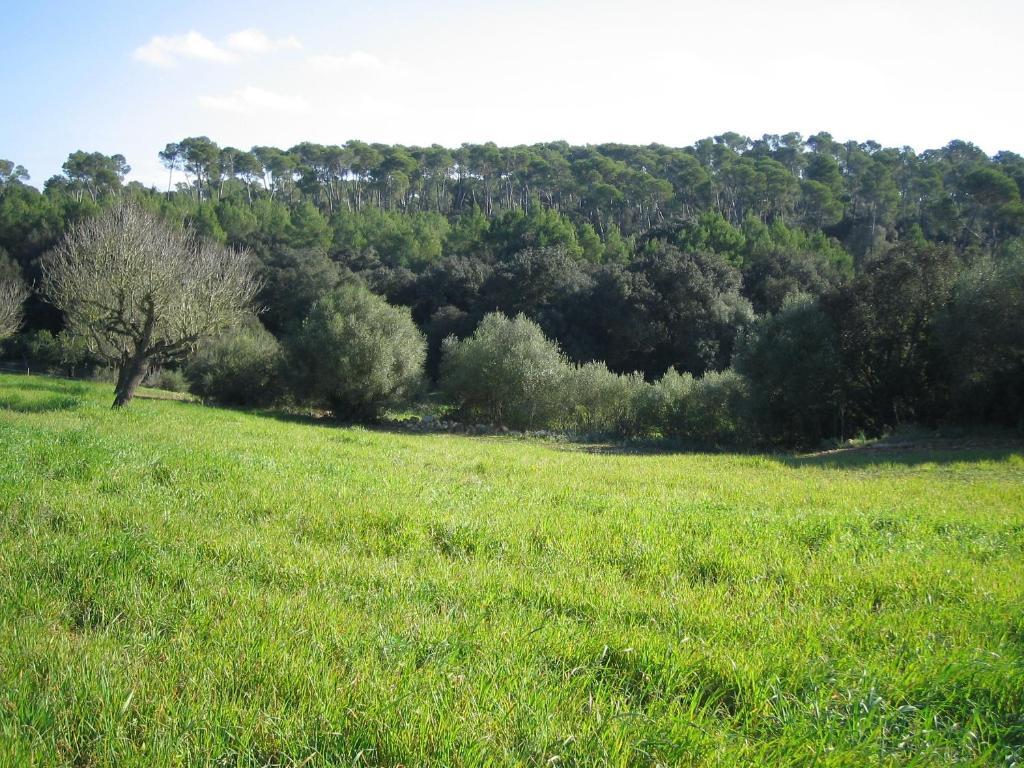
x=915 y=454
x=878 y=454
x=45 y=404
x=37 y=394
x=42 y=384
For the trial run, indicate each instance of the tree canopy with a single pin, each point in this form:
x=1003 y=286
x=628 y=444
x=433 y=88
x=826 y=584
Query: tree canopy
x=644 y=258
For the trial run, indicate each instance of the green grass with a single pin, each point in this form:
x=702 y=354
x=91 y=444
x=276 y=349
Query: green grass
x=182 y=585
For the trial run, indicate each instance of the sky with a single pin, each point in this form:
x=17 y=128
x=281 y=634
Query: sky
x=129 y=77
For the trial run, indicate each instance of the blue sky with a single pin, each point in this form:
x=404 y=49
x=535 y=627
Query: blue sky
x=130 y=77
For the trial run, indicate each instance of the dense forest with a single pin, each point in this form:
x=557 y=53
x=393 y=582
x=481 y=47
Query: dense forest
x=848 y=287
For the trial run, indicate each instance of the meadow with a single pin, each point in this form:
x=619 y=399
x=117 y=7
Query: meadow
x=185 y=585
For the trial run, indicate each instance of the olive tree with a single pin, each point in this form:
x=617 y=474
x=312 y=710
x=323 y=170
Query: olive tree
x=356 y=354
x=508 y=373
x=142 y=292
x=12 y=296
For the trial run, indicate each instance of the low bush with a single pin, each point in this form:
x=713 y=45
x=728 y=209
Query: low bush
x=240 y=367
x=510 y=374
x=665 y=404
x=708 y=411
x=715 y=414
x=170 y=379
x=40 y=351
x=603 y=402
x=356 y=354
x=507 y=373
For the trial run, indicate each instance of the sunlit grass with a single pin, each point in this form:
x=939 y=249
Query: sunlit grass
x=181 y=585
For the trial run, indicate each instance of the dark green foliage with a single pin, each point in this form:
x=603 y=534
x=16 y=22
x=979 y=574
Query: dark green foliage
x=33 y=349
x=355 y=354
x=455 y=281
x=43 y=352
x=205 y=222
x=779 y=260
x=292 y=280
x=238 y=220
x=997 y=209
x=644 y=257
x=981 y=334
x=516 y=231
x=669 y=308
x=242 y=366
x=548 y=285
x=30 y=223
x=9 y=270
x=309 y=228
x=711 y=233
x=887 y=346
x=776 y=275
x=468 y=234
x=389 y=238
x=447 y=321
x=791 y=365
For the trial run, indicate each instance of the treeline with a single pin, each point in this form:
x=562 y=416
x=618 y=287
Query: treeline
x=846 y=287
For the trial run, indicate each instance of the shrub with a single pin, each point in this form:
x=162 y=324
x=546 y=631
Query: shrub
x=39 y=350
x=605 y=402
x=74 y=356
x=240 y=367
x=170 y=379
x=714 y=415
x=706 y=411
x=509 y=373
x=506 y=373
x=356 y=354
x=664 y=408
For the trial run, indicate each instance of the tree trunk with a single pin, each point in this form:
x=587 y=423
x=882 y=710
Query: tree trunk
x=128 y=380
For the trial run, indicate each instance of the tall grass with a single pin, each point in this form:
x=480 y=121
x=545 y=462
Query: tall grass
x=182 y=585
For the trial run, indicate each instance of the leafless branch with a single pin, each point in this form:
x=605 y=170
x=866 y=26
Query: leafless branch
x=142 y=292
x=12 y=296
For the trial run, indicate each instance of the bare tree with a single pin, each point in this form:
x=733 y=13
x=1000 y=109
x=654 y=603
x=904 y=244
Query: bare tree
x=141 y=292
x=12 y=296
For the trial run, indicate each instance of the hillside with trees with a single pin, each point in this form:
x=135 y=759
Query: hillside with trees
x=840 y=287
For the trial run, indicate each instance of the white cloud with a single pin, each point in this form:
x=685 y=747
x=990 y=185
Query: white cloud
x=256 y=41
x=339 y=63
x=251 y=100
x=164 y=51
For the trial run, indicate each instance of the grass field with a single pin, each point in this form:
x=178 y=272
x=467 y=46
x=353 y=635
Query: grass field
x=181 y=585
